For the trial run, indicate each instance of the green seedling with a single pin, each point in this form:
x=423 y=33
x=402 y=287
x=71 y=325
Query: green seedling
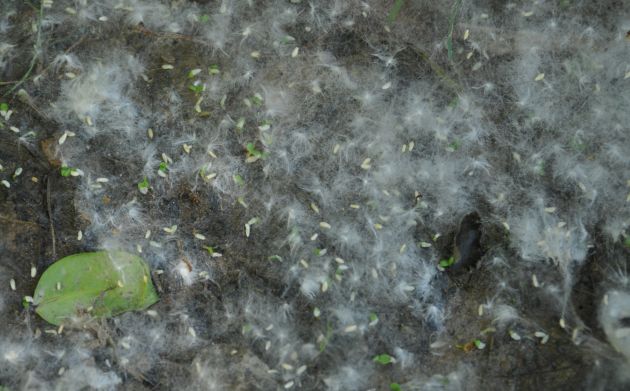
x=373 y=319
x=212 y=251
x=257 y=100
x=479 y=344
x=454 y=146
x=395 y=387
x=238 y=179
x=214 y=69
x=444 y=263
x=4 y=107
x=383 y=359
x=196 y=88
x=265 y=125
x=193 y=72
x=254 y=154
x=143 y=186
x=471 y=345
x=66 y=171
x=97 y=284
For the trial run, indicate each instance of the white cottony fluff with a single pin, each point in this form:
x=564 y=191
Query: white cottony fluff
x=332 y=194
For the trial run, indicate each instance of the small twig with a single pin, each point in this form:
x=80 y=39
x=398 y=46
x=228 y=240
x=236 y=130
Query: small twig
x=17 y=221
x=50 y=219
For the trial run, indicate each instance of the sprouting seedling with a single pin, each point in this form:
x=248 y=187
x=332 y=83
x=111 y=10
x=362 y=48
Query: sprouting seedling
x=373 y=319
x=4 y=112
x=248 y=225
x=205 y=175
x=204 y=18
x=214 y=69
x=143 y=186
x=276 y=257
x=17 y=173
x=197 y=87
x=395 y=387
x=254 y=154
x=384 y=359
x=444 y=263
x=66 y=171
x=213 y=253
x=287 y=39
x=193 y=72
x=454 y=146
x=479 y=344
x=238 y=179
x=257 y=99
x=265 y=125
x=163 y=169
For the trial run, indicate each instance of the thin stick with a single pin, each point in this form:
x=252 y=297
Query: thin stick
x=16 y=221
x=50 y=219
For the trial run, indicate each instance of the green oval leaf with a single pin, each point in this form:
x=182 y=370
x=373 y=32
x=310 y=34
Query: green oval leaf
x=98 y=284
